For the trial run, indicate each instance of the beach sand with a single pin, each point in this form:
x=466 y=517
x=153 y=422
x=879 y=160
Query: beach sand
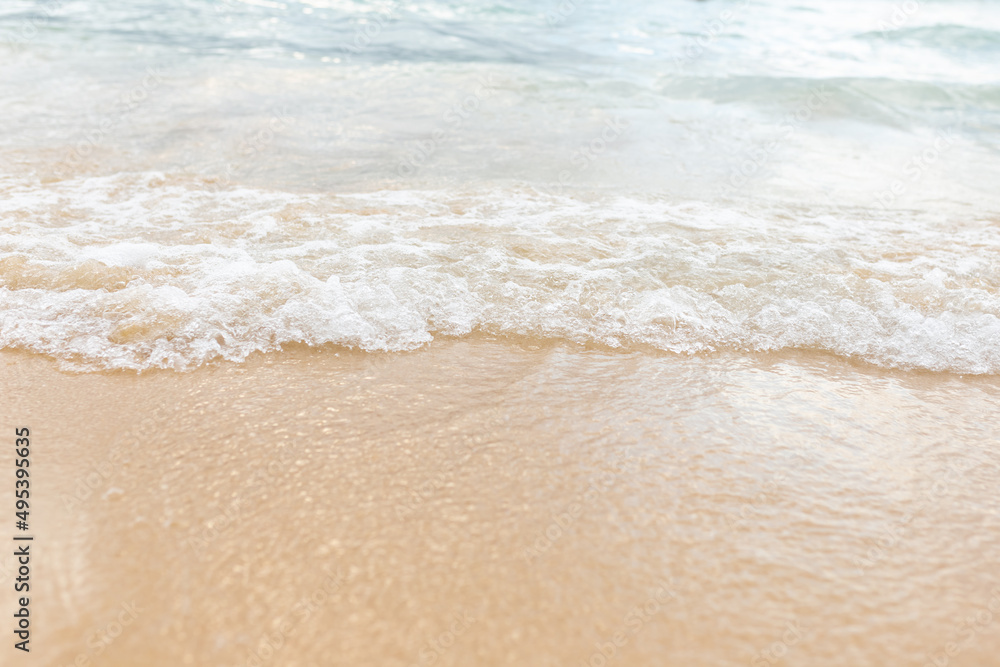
x=480 y=502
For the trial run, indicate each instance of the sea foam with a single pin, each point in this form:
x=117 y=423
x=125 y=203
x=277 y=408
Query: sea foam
x=146 y=271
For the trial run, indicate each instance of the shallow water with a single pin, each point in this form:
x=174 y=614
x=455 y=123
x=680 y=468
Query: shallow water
x=322 y=507
x=187 y=181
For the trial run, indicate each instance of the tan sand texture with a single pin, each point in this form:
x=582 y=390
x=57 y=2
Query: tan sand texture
x=481 y=502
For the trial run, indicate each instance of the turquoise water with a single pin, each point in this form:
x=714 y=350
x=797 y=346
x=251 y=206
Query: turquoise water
x=187 y=181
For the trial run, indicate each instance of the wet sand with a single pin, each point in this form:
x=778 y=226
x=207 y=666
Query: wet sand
x=481 y=502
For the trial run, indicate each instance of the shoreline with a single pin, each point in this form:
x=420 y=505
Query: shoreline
x=523 y=344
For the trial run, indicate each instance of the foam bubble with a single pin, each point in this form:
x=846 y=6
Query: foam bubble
x=219 y=275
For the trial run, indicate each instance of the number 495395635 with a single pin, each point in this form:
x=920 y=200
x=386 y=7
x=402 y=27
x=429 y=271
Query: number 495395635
x=22 y=490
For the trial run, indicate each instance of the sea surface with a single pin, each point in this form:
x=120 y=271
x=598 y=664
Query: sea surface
x=189 y=181
x=504 y=334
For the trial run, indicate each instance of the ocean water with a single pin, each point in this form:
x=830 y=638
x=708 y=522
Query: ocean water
x=703 y=299
x=189 y=181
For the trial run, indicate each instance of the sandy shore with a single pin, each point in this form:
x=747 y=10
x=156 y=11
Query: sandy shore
x=488 y=503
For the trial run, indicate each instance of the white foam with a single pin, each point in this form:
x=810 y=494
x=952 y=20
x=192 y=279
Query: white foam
x=122 y=254
x=219 y=275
